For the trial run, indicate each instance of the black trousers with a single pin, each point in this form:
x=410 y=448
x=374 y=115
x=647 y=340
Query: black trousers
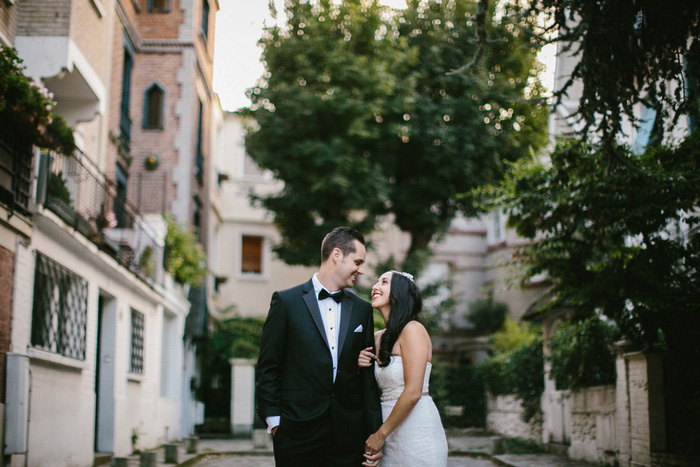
x=315 y=444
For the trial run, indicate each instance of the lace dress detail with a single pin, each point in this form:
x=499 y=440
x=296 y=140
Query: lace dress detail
x=419 y=441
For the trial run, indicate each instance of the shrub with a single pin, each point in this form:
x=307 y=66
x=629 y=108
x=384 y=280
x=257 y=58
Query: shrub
x=487 y=316
x=581 y=355
x=461 y=386
x=184 y=257
x=517 y=366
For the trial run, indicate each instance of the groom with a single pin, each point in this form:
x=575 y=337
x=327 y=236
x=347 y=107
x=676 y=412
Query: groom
x=319 y=408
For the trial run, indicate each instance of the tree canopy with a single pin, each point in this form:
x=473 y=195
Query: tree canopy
x=616 y=229
x=361 y=115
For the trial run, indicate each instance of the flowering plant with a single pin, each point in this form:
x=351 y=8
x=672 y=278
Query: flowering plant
x=106 y=220
x=27 y=107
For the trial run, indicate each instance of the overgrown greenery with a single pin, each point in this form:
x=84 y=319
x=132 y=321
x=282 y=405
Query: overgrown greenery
x=486 y=315
x=231 y=337
x=516 y=366
x=184 y=256
x=458 y=386
x=27 y=108
x=57 y=188
x=581 y=354
x=616 y=229
x=360 y=115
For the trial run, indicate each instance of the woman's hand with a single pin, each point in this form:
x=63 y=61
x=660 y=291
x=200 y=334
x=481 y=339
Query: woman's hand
x=372 y=460
x=365 y=359
x=374 y=443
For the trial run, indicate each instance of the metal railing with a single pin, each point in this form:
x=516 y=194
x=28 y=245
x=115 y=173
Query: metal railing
x=75 y=189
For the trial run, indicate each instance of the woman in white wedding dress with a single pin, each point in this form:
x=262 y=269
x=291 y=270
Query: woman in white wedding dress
x=412 y=434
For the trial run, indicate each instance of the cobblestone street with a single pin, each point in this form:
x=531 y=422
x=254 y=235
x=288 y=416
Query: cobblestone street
x=268 y=461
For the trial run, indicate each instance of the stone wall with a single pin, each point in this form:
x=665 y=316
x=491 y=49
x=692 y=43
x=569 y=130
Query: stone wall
x=504 y=416
x=593 y=424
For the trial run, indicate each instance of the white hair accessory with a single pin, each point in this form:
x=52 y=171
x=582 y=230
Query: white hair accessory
x=405 y=274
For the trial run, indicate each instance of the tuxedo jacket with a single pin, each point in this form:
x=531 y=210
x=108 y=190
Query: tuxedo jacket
x=295 y=367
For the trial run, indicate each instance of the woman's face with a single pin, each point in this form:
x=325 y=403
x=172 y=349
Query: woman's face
x=381 y=290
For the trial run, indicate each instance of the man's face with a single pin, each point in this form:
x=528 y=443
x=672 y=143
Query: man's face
x=350 y=266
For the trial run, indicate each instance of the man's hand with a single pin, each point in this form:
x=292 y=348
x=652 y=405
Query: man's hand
x=366 y=357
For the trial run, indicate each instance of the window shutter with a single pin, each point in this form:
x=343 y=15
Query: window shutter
x=251 y=254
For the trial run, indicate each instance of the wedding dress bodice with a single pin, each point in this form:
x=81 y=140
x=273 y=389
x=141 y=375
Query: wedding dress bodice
x=390 y=378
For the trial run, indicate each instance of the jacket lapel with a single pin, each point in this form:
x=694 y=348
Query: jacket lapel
x=345 y=313
x=312 y=305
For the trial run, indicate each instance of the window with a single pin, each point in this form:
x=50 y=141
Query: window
x=125 y=120
x=252 y=254
x=121 y=178
x=153 y=108
x=199 y=163
x=496 y=228
x=15 y=170
x=136 y=365
x=205 y=19
x=59 y=312
x=158 y=6
x=197 y=215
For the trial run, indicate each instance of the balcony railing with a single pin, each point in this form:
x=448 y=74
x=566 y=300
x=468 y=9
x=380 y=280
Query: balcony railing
x=85 y=198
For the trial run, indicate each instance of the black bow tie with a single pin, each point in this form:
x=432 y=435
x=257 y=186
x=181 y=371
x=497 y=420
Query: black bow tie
x=338 y=296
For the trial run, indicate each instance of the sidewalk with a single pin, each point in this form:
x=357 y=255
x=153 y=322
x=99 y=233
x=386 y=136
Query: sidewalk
x=460 y=444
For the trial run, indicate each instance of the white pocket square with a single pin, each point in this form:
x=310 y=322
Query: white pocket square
x=358 y=329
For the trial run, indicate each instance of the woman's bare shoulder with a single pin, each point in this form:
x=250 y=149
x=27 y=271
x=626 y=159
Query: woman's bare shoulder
x=415 y=328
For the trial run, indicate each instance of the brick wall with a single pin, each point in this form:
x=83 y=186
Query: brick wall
x=88 y=31
x=6 y=276
x=43 y=17
x=160 y=25
x=150 y=190
x=8 y=23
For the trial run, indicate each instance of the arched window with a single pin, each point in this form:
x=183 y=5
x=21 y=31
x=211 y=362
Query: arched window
x=153 y=108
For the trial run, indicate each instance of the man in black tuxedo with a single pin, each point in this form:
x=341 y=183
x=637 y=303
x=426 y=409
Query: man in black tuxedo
x=319 y=407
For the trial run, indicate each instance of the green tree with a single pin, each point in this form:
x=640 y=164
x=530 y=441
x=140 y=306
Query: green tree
x=615 y=230
x=360 y=115
x=582 y=355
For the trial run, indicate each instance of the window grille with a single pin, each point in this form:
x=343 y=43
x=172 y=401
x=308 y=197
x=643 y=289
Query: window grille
x=136 y=342
x=59 y=314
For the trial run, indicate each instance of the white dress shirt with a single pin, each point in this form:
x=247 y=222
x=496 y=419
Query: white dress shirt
x=330 y=315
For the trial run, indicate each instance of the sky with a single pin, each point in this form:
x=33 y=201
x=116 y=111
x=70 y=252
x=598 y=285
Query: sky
x=237 y=66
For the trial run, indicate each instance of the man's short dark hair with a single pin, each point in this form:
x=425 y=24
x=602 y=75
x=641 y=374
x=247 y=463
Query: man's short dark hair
x=342 y=238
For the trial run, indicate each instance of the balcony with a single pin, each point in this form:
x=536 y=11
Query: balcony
x=75 y=190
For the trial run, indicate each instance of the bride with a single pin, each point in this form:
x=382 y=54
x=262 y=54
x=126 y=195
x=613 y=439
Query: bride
x=412 y=434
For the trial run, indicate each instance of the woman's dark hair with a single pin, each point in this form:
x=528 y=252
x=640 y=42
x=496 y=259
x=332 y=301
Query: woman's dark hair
x=406 y=303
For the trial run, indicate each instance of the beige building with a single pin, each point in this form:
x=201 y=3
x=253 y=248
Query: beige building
x=90 y=313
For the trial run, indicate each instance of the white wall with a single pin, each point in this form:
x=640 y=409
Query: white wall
x=62 y=404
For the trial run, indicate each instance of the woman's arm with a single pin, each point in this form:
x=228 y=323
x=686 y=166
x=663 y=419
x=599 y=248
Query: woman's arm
x=414 y=347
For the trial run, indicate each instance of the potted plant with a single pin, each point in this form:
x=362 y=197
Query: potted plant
x=27 y=108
